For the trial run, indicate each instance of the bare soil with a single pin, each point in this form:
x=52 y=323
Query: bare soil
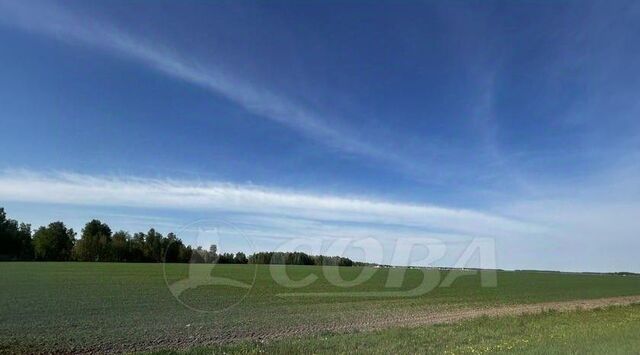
x=417 y=318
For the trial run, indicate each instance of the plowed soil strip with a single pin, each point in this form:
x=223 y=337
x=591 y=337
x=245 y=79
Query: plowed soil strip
x=417 y=318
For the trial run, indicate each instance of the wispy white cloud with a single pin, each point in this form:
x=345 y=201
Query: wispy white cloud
x=56 y=22
x=70 y=188
x=425 y=164
x=594 y=230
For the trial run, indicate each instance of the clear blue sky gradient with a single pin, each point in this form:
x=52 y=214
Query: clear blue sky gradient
x=525 y=111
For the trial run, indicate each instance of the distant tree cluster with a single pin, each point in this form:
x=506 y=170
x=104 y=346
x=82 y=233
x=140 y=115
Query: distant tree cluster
x=97 y=242
x=15 y=239
x=298 y=258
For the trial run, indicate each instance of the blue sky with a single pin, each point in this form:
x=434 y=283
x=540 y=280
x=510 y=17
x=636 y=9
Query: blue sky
x=516 y=121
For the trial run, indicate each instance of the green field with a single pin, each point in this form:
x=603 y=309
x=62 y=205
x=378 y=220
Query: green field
x=109 y=306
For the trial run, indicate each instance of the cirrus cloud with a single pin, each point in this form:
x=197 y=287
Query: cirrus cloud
x=80 y=189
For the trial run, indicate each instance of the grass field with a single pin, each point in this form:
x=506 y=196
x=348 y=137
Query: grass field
x=101 y=306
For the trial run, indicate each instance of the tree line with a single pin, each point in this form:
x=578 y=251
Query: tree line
x=298 y=258
x=97 y=242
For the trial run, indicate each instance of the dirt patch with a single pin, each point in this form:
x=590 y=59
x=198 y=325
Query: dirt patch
x=441 y=317
x=417 y=318
x=464 y=314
